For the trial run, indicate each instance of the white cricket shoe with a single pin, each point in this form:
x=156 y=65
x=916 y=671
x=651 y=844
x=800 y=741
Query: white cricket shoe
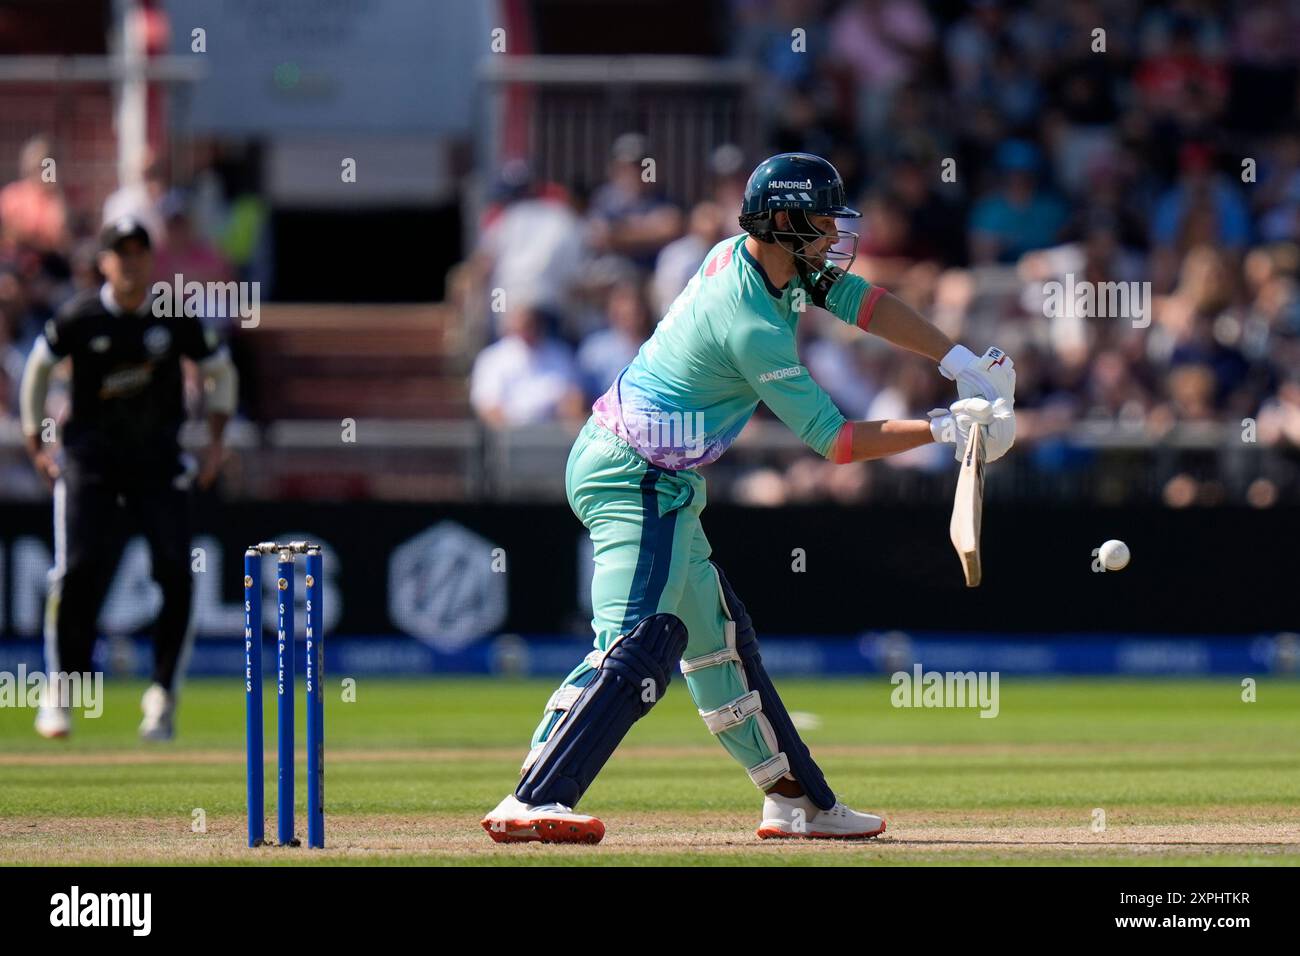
x=158 y=708
x=514 y=821
x=53 y=721
x=800 y=818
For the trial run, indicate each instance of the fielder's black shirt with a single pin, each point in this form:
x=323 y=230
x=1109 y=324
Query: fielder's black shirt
x=127 y=387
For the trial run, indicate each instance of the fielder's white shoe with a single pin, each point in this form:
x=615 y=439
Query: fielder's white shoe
x=158 y=707
x=514 y=821
x=53 y=721
x=800 y=818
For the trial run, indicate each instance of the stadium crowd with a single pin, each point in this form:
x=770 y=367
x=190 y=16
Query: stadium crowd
x=994 y=150
x=209 y=230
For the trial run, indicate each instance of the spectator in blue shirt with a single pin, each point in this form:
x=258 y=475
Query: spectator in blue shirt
x=1021 y=215
x=628 y=215
x=1200 y=187
x=605 y=353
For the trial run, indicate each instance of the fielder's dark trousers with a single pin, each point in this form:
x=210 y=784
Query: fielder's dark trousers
x=94 y=516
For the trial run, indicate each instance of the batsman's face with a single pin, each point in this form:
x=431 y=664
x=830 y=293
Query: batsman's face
x=824 y=224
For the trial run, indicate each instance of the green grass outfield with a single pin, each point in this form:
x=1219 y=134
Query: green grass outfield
x=1185 y=771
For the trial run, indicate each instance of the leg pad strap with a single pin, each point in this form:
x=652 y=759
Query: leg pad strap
x=732 y=714
x=769 y=771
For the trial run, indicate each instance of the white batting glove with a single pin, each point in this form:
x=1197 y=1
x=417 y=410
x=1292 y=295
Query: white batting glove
x=991 y=375
x=998 y=419
x=948 y=428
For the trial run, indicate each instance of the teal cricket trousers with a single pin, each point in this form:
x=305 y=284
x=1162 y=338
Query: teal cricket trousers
x=651 y=557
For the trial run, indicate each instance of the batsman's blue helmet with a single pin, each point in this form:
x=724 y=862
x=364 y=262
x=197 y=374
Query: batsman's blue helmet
x=795 y=181
x=802 y=185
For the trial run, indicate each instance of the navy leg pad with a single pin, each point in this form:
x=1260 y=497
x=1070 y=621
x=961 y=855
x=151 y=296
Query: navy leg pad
x=802 y=765
x=632 y=678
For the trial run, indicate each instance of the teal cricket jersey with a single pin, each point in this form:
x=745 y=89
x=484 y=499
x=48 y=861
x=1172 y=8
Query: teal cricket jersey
x=726 y=343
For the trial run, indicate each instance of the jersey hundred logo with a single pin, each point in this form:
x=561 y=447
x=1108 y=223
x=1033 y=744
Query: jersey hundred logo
x=791 y=372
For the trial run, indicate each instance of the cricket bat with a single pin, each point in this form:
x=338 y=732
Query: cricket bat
x=968 y=505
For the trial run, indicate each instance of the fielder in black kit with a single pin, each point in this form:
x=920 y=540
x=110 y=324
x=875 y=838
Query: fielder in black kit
x=122 y=468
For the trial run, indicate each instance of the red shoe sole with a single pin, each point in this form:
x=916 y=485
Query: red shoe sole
x=771 y=833
x=545 y=830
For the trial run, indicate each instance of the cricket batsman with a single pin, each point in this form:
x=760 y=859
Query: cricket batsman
x=660 y=604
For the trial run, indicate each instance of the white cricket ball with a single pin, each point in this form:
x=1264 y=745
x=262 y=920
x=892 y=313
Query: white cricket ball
x=1114 y=555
